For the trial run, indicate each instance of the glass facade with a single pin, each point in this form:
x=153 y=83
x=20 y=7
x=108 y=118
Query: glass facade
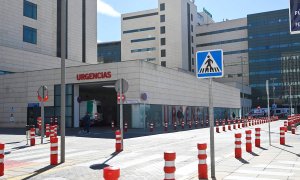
x=109 y=52
x=69 y=104
x=144 y=114
x=274 y=56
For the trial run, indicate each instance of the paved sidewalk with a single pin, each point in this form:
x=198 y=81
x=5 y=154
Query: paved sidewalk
x=142 y=158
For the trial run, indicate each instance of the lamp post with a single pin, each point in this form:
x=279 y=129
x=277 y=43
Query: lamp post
x=273 y=79
x=291 y=104
x=243 y=94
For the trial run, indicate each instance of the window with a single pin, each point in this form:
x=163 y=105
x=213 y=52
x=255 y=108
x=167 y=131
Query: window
x=193 y=61
x=162 y=30
x=29 y=9
x=163 y=53
x=192 y=17
x=139 y=30
x=163 y=63
x=192 y=28
x=29 y=35
x=162 y=7
x=162 y=18
x=192 y=38
x=163 y=41
x=141 y=40
x=192 y=50
x=143 y=50
x=140 y=16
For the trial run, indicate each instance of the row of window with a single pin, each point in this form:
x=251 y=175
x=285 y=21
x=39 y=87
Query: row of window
x=265 y=72
x=222 y=42
x=4 y=72
x=268 y=35
x=260 y=22
x=143 y=50
x=222 y=31
x=143 y=39
x=275 y=46
x=235 y=52
x=139 y=30
x=140 y=16
x=29 y=9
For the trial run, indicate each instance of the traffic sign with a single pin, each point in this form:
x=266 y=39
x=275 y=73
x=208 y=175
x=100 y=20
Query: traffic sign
x=124 y=84
x=43 y=94
x=123 y=98
x=210 y=64
x=294 y=16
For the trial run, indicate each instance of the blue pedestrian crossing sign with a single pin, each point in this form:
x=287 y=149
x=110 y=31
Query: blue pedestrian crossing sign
x=210 y=64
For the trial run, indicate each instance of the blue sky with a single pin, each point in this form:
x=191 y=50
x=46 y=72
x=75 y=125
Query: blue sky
x=109 y=22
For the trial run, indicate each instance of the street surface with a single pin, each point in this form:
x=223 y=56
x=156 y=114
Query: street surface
x=142 y=158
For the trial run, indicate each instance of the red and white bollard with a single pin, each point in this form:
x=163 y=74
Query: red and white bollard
x=47 y=130
x=207 y=124
x=248 y=141
x=2 y=146
x=111 y=173
x=169 y=168
x=282 y=135
x=54 y=151
x=238 y=145
x=32 y=136
x=234 y=126
x=151 y=127
x=217 y=127
x=257 y=137
x=175 y=126
x=112 y=126
x=223 y=125
x=119 y=147
x=52 y=131
x=196 y=124
x=166 y=126
x=285 y=126
x=293 y=129
x=229 y=125
x=190 y=124
x=202 y=166
x=239 y=124
x=182 y=124
x=125 y=127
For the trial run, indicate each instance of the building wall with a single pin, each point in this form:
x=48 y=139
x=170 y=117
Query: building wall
x=11 y=35
x=178 y=35
x=161 y=84
x=231 y=36
x=139 y=23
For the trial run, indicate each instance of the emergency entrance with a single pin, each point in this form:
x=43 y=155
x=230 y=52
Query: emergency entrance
x=99 y=100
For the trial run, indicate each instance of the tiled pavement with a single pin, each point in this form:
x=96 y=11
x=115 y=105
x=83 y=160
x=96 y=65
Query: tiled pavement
x=142 y=157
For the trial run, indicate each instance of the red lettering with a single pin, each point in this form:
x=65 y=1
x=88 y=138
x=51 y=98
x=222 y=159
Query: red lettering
x=98 y=75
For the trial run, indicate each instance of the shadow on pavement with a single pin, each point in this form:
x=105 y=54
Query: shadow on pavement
x=242 y=160
x=103 y=165
x=262 y=148
x=253 y=154
x=287 y=145
x=40 y=171
x=286 y=150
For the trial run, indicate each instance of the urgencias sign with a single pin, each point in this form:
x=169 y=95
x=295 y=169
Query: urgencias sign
x=91 y=76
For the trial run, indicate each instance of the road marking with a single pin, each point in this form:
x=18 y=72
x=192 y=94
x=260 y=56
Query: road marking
x=265 y=173
x=277 y=167
x=67 y=156
x=289 y=162
x=28 y=156
x=246 y=178
x=139 y=161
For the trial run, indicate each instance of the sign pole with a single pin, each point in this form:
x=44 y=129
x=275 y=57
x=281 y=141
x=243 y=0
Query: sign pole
x=268 y=97
x=42 y=114
x=121 y=111
x=63 y=80
x=212 y=138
